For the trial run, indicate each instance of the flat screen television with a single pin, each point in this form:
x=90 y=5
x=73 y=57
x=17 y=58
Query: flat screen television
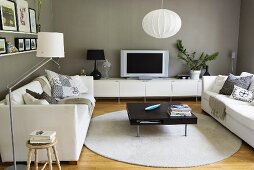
x=144 y=63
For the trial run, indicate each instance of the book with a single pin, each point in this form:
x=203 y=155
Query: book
x=173 y=113
x=42 y=141
x=39 y=135
x=180 y=107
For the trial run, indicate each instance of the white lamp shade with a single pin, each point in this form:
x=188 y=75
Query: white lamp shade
x=50 y=44
x=161 y=23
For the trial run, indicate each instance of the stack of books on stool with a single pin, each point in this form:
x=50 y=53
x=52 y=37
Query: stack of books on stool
x=180 y=110
x=42 y=137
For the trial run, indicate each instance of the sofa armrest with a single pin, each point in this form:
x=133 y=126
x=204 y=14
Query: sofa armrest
x=208 y=82
x=26 y=118
x=88 y=81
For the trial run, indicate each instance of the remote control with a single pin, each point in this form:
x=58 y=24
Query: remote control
x=152 y=107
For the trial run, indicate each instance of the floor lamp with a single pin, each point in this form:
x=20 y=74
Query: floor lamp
x=49 y=45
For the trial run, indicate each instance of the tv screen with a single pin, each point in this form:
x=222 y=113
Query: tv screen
x=144 y=63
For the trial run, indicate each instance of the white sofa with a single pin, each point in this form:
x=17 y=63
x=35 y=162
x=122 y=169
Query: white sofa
x=70 y=122
x=239 y=115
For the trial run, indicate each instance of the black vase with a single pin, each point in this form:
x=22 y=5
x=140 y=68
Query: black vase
x=206 y=71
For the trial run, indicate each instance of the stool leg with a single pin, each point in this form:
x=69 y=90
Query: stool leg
x=49 y=158
x=29 y=157
x=56 y=156
x=36 y=159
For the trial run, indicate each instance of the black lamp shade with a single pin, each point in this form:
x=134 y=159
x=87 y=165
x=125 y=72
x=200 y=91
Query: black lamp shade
x=95 y=55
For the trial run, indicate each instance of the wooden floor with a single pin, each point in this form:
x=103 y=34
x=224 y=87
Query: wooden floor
x=242 y=160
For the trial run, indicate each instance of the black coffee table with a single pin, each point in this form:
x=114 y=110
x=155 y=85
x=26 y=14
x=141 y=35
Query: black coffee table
x=139 y=117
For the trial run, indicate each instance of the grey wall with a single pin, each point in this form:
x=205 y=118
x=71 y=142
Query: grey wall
x=11 y=67
x=208 y=25
x=246 y=38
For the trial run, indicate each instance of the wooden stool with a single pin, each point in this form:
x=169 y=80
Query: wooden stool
x=35 y=148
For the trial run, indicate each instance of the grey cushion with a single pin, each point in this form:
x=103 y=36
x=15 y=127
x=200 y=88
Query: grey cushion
x=61 y=85
x=228 y=87
x=43 y=95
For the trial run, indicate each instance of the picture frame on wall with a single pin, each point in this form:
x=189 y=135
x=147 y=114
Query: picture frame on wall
x=33 y=44
x=23 y=16
x=19 y=44
x=3 y=49
x=32 y=18
x=27 y=44
x=8 y=15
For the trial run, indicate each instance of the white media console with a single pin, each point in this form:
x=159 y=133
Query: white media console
x=168 y=87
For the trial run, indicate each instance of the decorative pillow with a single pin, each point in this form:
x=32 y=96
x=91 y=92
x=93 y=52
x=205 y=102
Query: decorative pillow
x=219 y=81
x=228 y=87
x=80 y=84
x=242 y=94
x=29 y=99
x=43 y=95
x=62 y=85
x=252 y=82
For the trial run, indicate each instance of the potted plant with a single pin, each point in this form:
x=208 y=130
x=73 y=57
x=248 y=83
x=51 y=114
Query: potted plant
x=194 y=63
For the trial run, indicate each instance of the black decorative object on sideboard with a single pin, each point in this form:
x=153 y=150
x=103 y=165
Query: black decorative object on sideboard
x=95 y=55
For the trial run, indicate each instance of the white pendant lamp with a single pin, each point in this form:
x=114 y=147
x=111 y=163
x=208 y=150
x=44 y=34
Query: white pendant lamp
x=161 y=23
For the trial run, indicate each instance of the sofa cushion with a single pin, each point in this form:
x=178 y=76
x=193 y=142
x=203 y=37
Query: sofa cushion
x=252 y=83
x=44 y=84
x=218 y=84
x=17 y=95
x=232 y=80
x=62 y=85
x=30 y=100
x=244 y=115
x=242 y=94
x=43 y=95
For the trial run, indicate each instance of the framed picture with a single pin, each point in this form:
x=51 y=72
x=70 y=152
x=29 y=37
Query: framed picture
x=3 y=46
x=33 y=44
x=8 y=15
x=19 y=44
x=23 y=16
x=32 y=18
x=27 y=44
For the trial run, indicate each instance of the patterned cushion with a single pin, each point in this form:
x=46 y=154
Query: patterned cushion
x=228 y=87
x=62 y=85
x=242 y=94
x=43 y=95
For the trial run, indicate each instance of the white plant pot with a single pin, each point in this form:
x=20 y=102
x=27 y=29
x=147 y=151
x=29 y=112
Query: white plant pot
x=194 y=74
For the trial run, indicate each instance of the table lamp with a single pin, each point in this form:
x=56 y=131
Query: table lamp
x=49 y=45
x=95 y=55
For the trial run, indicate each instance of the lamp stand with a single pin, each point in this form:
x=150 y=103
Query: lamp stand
x=96 y=74
x=13 y=85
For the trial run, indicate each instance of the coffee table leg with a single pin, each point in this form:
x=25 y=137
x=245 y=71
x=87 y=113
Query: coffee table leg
x=185 y=130
x=137 y=131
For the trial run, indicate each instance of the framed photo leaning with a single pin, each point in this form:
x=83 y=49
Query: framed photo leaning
x=8 y=15
x=33 y=44
x=32 y=18
x=19 y=44
x=3 y=49
x=23 y=16
x=27 y=44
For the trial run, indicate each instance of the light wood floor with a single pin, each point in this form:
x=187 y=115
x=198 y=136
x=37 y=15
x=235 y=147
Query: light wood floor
x=242 y=160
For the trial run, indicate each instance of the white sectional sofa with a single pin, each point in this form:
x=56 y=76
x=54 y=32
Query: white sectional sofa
x=239 y=115
x=70 y=122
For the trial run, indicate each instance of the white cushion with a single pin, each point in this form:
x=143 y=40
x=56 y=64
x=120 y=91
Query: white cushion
x=79 y=83
x=252 y=84
x=29 y=99
x=44 y=84
x=242 y=94
x=245 y=115
x=218 y=84
x=17 y=95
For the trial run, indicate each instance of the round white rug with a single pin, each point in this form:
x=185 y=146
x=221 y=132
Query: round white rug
x=112 y=136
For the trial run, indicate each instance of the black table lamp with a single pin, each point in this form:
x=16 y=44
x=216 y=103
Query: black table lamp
x=95 y=55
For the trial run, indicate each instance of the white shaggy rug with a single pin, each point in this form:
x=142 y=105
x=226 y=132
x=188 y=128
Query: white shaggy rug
x=112 y=136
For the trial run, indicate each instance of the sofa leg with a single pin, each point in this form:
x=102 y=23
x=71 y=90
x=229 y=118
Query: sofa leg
x=72 y=162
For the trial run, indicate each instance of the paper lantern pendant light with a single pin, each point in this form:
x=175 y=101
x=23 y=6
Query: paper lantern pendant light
x=161 y=23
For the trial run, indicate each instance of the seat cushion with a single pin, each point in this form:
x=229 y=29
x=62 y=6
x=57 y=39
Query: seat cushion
x=17 y=95
x=243 y=114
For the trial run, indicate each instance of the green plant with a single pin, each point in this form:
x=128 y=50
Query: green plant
x=193 y=62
